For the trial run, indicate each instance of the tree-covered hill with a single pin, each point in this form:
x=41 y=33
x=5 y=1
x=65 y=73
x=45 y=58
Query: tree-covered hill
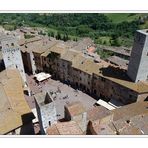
x=109 y=29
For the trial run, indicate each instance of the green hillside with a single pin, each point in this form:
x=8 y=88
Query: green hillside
x=112 y=29
x=122 y=17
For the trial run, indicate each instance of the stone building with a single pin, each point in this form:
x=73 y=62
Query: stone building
x=29 y=62
x=46 y=110
x=32 y=50
x=97 y=116
x=82 y=73
x=66 y=65
x=12 y=55
x=112 y=83
x=51 y=60
x=137 y=69
x=75 y=111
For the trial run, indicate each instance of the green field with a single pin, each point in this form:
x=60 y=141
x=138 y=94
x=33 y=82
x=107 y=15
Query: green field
x=121 y=17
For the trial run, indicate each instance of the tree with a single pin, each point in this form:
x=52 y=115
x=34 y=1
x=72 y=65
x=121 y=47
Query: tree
x=58 y=36
x=52 y=34
x=114 y=41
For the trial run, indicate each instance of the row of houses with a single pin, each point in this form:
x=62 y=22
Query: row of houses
x=95 y=77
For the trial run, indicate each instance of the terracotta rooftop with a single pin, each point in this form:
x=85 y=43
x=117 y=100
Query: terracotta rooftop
x=91 y=49
x=98 y=112
x=14 y=110
x=141 y=122
x=75 y=108
x=131 y=110
x=103 y=129
x=122 y=127
x=119 y=50
x=69 y=55
x=78 y=60
x=56 y=48
x=83 y=44
x=128 y=120
x=65 y=128
x=118 y=61
x=31 y=40
x=39 y=46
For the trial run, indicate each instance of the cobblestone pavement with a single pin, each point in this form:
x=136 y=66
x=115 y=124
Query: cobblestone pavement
x=62 y=94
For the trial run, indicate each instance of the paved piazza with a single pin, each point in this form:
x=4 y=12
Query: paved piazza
x=62 y=94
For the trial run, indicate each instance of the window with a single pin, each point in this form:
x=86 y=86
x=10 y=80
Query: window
x=49 y=123
x=12 y=44
x=95 y=91
x=102 y=79
x=95 y=78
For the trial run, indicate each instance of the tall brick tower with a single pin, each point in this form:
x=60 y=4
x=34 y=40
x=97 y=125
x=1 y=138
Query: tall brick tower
x=138 y=65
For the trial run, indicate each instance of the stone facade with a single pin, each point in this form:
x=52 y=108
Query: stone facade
x=106 y=89
x=38 y=61
x=12 y=55
x=76 y=112
x=29 y=62
x=46 y=111
x=137 y=70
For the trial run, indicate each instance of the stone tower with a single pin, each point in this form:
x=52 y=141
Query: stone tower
x=46 y=110
x=138 y=65
x=11 y=55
